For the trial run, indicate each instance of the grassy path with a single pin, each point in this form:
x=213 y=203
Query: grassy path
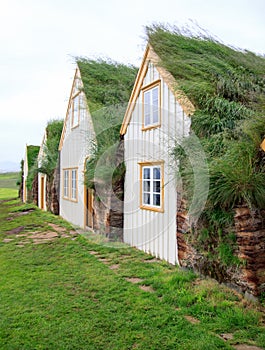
x=63 y=290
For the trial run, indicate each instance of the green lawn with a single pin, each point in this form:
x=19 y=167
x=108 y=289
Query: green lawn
x=75 y=292
x=9 y=180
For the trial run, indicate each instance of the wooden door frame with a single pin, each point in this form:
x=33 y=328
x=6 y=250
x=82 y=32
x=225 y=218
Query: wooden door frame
x=42 y=192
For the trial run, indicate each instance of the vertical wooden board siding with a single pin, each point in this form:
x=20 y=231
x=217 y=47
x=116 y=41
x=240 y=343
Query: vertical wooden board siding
x=75 y=149
x=151 y=231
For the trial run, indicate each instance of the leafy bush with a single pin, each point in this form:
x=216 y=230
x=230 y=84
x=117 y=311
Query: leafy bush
x=237 y=178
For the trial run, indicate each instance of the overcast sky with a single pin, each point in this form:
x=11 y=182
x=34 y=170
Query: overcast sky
x=39 y=38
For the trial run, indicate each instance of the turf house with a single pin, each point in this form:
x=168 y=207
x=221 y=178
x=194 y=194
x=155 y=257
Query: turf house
x=29 y=174
x=194 y=191
x=91 y=156
x=48 y=168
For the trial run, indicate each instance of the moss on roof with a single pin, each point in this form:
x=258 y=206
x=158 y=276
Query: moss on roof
x=32 y=154
x=50 y=155
x=227 y=87
x=107 y=86
x=106 y=82
x=203 y=66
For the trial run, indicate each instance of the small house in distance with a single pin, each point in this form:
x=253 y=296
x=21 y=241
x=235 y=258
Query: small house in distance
x=48 y=167
x=30 y=180
x=89 y=141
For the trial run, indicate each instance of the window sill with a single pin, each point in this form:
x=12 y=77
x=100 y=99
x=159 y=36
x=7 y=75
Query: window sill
x=158 y=210
x=70 y=200
x=150 y=127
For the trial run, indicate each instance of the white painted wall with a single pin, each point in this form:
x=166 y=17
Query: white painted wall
x=153 y=232
x=75 y=150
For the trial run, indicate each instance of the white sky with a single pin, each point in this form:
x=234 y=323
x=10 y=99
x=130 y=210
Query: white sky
x=39 y=38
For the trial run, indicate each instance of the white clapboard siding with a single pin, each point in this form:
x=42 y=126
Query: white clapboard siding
x=75 y=149
x=153 y=232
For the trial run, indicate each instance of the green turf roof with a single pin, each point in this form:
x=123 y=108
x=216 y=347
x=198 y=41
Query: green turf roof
x=204 y=67
x=106 y=82
x=32 y=154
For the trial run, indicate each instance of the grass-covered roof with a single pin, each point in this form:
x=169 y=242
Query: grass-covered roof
x=107 y=86
x=227 y=87
x=32 y=155
x=50 y=155
x=203 y=66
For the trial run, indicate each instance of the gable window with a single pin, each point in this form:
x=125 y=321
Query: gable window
x=75 y=110
x=66 y=183
x=151 y=106
x=70 y=184
x=76 y=102
x=151 y=182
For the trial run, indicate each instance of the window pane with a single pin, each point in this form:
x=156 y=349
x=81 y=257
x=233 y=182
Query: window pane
x=147 y=99
x=156 y=199
x=75 y=110
x=156 y=186
x=82 y=105
x=155 y=115
x=155 y=95
x=73 y=184
x=146 y=173
x=66 y=183
x=146 y=186
x=146 y=198
x=156 y=173
x=147 y=109
x=147 y=120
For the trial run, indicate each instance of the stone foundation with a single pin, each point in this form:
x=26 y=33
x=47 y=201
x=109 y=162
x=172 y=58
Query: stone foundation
x=249 y=277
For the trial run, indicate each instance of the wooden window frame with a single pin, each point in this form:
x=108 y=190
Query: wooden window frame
x=152 y=164
x=74 y=188
x=75 y=99
x=149 y=87
x=65 y=196
x=70 y=198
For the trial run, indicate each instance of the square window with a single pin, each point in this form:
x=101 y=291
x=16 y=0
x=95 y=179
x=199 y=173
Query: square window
x=151 y=186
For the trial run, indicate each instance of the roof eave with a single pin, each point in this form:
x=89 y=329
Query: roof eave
x=150 y=55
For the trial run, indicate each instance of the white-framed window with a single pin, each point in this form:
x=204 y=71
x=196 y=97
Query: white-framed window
x=82 y=106
x=76 y=103
x=66 y=183
x=70 y=184
x=151 y=182
x=151 y=106
x=73 y=184
x=75 y=110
